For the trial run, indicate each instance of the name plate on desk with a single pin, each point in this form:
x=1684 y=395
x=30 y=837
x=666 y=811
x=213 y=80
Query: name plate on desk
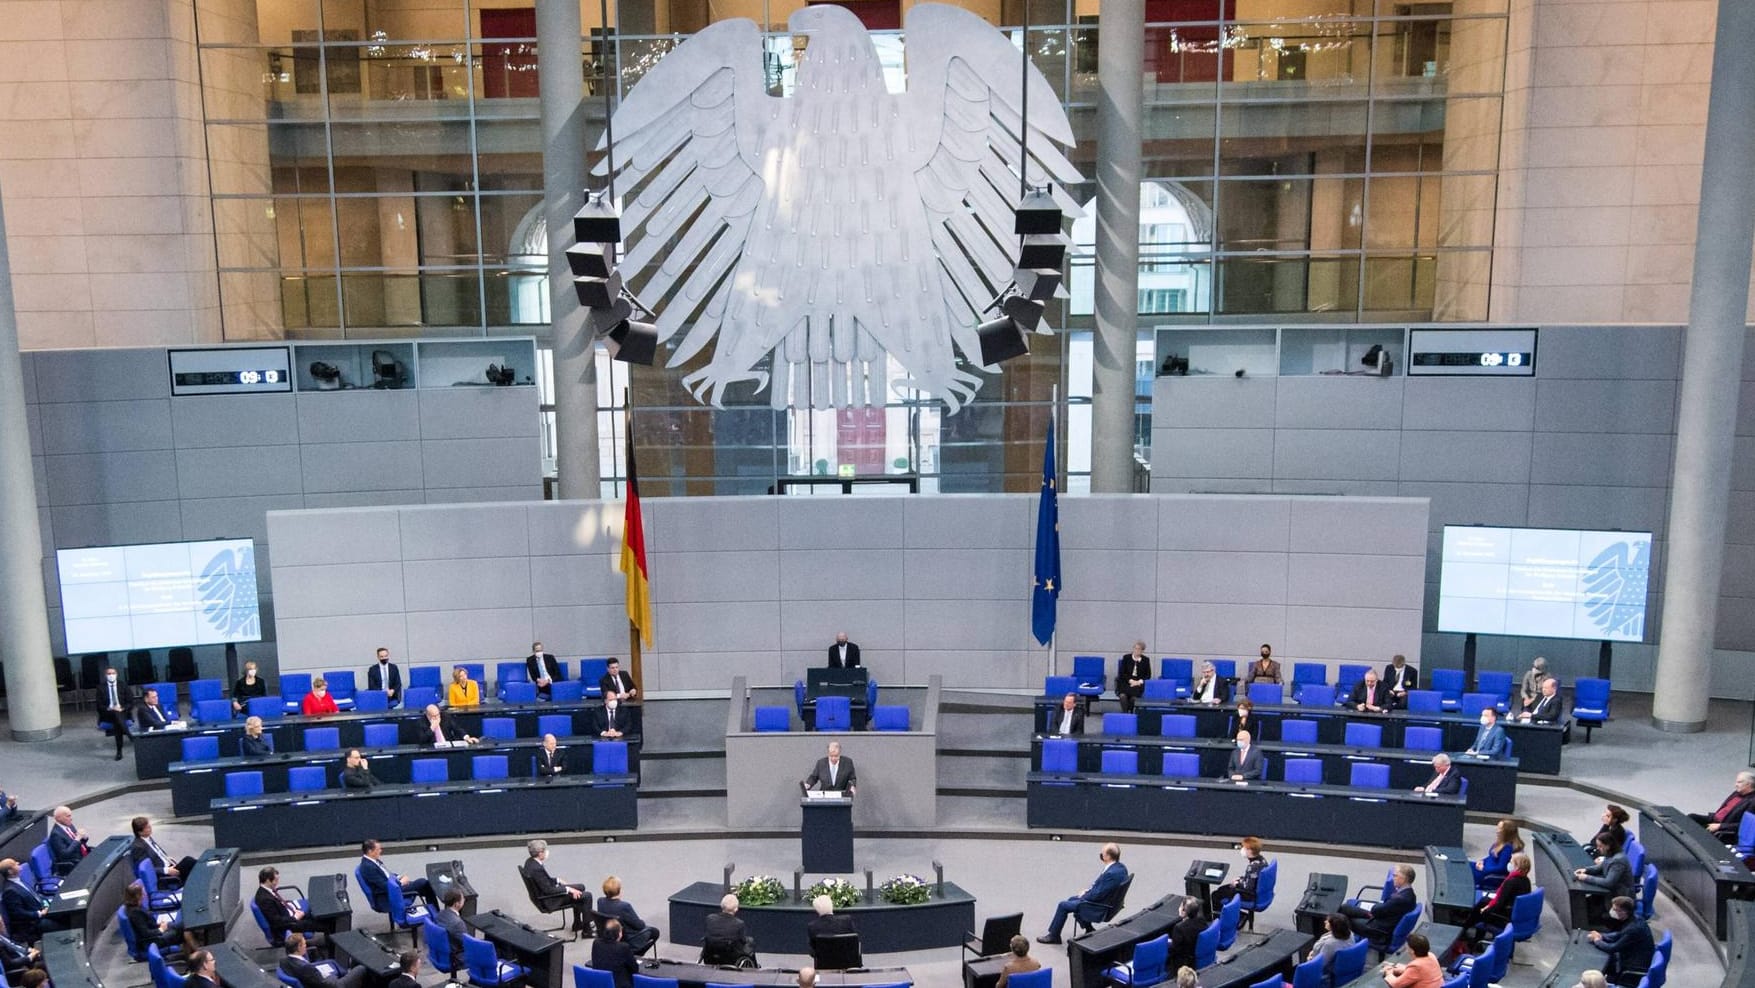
x=826 y=794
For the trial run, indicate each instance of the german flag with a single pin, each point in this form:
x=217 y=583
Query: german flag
x=633 y=562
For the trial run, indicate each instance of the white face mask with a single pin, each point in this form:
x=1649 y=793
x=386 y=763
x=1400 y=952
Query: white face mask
x=111 y=677
x=1241 y=745
x=1485 y=722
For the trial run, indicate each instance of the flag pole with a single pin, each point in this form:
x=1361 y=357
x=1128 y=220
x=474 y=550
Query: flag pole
x=634 y=667
x=1053 y=431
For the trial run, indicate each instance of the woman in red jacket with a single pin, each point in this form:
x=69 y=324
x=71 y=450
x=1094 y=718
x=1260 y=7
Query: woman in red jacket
x=318 y=701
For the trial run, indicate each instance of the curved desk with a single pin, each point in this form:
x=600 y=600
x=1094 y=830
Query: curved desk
x=1704 y=873
x=210 y=894
x=883 y=928
x=91 y=892
x=1554 y=857
x=700 y=975
x=18 y=837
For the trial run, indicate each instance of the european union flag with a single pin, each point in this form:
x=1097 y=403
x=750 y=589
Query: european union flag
x=1046 y=590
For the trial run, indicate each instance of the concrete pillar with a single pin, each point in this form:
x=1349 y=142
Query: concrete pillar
x=561 y=78
x=31 y=701
x=1712 y=368
x=1120 y=106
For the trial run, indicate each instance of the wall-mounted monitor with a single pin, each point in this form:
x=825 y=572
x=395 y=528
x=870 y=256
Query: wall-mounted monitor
x=121 y=597
x=230 y=370
x=1544 y=582
x=1472 y=352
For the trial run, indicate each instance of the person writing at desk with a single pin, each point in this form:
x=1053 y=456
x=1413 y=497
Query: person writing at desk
x=1490 y=739
x=1131 y=674
x=1369 y=696
x=1069 y=719
x=318 y=702
x=356 y=775
x=843 y=654
x=1245 y=761
x=1446 y=780
x=463 y=691
x=617 y=683
x=247 y=688
x=1612 y=873
x=441 y=729
x=833 y=773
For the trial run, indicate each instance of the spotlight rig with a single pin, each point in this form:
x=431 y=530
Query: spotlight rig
x=1041 y=255
x=611 y=307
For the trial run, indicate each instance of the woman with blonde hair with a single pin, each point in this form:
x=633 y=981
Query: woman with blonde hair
x=1186 y=978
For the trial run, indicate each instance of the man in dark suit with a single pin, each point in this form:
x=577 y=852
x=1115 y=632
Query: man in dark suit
x=1381 y=918
x=114 y=701
x=68 y=845
x=17 y=957
x=535 y=871
x=617 y=683
x=834 y=773
x=356 y=774
x=1629 y=945
x=384 y=675
x=1090 y=905
x=826 y=923
x=1069 y=719
x=543 y=670
x=1131 y=673
x=635 y=931
x=1184 y=933
x=1547 y=706
x=1724 y=821
x=727 y=940
x=550 y=761
x=282 y=916
x=1490 y=739
x=200 y=971
x=613 y=720
x=450 y=919
x=440 y=726
x=149 y=715
x=145 y=848
x=1446 y=780
x=1399 y=677
x=24 y=908
x=297 y=965
x=409 y=961
x=1369 y=696
x=843 y=654
x=609 y=953
x=377 y=876
x=1245 y=761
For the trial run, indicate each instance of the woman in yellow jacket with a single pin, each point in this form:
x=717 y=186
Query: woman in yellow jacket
x=463 y=691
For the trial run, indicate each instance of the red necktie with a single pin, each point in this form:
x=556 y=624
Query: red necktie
x=83 y=850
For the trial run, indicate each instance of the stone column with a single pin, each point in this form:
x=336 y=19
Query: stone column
x=1712 y=368
x=1120 y=106
x=561 y=76
x=31 y=701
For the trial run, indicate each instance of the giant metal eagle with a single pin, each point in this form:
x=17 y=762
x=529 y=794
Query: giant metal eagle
x=840 y=224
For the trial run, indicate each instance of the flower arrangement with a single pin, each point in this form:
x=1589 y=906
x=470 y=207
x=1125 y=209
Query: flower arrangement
x=759 y=890
x=905 y=890
x=840 y=892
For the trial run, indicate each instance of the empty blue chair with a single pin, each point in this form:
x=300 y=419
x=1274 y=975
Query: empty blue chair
x=1298 y=731
x=489 y=767
x=1590 y=704
x=506 y=673
x=1498 y=684
x=1636 y=855
x=1117 y=762
x=1507 y=946
x=522 y=691
x=560 y=725
x=293 y=687
x=1423 y=739
x=1526 y=913
x=834 y=713
x=371 y=701
x=1318 y=695
x=382 y=736
x=566 y=691
x=609 y=758
x=499 y=728
x=1473 y=703
x=1056 y=687
x=1123 y=725
x=265 y=707
x=1658 y=974
x=342 y=687
x=1403 y=927
x=1425 y=702
x=485 y=966
x=1350 y=961
x=1161 y=690
x=1348 y=674
x=429 y=770
x=1146 y=967
x=774 y=719
x=648 y=981
x=1060 y=755
x=1265 y=694
x=1226 y=668
x=1307 y=771
x=205 y=689
x=1229 y=915
x=1305 y=975
x=213 y=711
x=1364 y=735
x=1450 y=684
x=1182 y=669
x=1459 y=980
x=1648 y=885
x=417 y=697
x=587 y=977
x=239 y=784
x=201 y=748
x=1371 y=775
x=424 y=677
x=1307 y=674
x=1092 y=679
x=1177 y=726
x=305 y=778
x=591 y=672
x=885 y=718
x=162 y=975
x=1664 y=946
x=1206 y=946
x=322 y=738
x=1182 y=765
x=1043 y=978
x=1480 y=971
x=1746 y=836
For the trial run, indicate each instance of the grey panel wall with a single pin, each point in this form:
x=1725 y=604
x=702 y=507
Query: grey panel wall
x=758 y=586
x=119 y=460
x=1587 y=443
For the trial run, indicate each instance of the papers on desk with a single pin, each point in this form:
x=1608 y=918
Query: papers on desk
x=824 y=794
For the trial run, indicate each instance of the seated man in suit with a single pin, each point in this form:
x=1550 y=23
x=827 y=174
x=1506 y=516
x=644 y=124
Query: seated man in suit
x=833 y=773
x=617 y=683
x=1490 y=739
x=1069 y=719
x=9 y=807
x=68 y=844
x=825 y=923
x=450 y=919
x=1399 y=677
x=609 y=953
x=377 y=876
x=727 y=940
x=145 y=848
x=1245 y=761
x=384 y=675
x=843 y=654
x=23 y=907
x=1612 y=875
x=1264 y=669
x=545 y=886
x=1446 y=780
x=253 y=744
x=1381 y=918
x=543 y=670
x=440 y=727
x=150 y=716
x=635 y=931
x=1629 y=945
x=550 y=760
x=1183 y=934
x=1724 y=821
x=408 y=962
x=357 y=774
x=1546 y=709
x=200 y=971
x=1369 y=696
x=613 y=721
x=17 y=957
x=297 y=965
x=1210 y=687
x=282 y=915
x=1092 y=904
x=114 y=701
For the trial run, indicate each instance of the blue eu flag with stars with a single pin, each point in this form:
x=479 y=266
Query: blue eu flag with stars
x=1046 y=590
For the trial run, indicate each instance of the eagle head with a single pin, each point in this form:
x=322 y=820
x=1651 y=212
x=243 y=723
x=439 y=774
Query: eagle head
x=824 y=18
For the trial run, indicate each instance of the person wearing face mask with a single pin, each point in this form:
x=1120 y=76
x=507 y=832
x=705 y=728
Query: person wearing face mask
x=1253 y=865
x=1490 y=739
x=1245 y=762
x=1131 y=673
x=247 y=688
x=318 y=702
x=1612 y=875
x=1379 y=919
x=384 y=675
x=613 y=722
x=1264 y=669
x=1629 y=947
x=114 y=701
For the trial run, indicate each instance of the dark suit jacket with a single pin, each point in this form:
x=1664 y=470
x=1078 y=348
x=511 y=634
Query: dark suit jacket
x=375 y=677
x=22 y=906
x=725 y=928
x=1127 y=669
x=1615 y=875
x=1410 y=677
x=1449 y=785
x=359 y=778
x=126 y=697
x=65 y=848
x=145 y=927
x=852 y=656
x=621 y=909
x=447 y=727
x=1221 y=689
x=1056 y=715
x=150 y=718
x=197 y=981
x=616 y=957
x=1244 y=763
x=1546 y=710
x=1733 y=818
x=1095 y=901
x=243 y=691
x=620 y=682
x=621 y=720
x=544 y=883
x=305 y=973
x=1182 y=941
x=453 y=925
x=832 y=925
x=377 y=879
x=845 y=776
x=542 y=666
x=13 y=955
x=1490 y=741
x=1381 y=700
x=275 y=911
x=548 y=764
x=255 y=747
x=1629 y=949
x=1386 y=914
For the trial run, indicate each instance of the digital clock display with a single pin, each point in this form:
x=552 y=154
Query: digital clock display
x=1485 y=352
x=230 y=370
x=212 y=378
x=1490 y=358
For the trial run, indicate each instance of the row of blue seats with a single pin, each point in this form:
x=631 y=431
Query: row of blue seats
x=215 y=709
x=607 y=758
x=1292 y=731
x=205 y=748
x=1061 y=756
x=833 y=713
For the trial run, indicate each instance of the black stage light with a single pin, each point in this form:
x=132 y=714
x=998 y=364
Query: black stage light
x=1037 y=284
x=1025 y=312
x=599 y=293
x=1043 y=250
x=590 y=260
x=633 y=342
x=1001 y=340
x=1037 y=214
x=596 y=222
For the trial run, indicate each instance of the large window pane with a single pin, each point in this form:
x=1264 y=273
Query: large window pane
x=1264 y=215
x=1274 y=285
x=1287 y=138
x=1292 y=58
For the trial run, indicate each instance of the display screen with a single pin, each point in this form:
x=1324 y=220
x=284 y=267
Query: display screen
x=116 y=598
x=1498 y=352
x=230 y=370
x=1544 y=583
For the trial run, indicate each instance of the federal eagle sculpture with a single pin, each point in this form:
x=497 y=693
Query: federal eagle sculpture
x=838 y=225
